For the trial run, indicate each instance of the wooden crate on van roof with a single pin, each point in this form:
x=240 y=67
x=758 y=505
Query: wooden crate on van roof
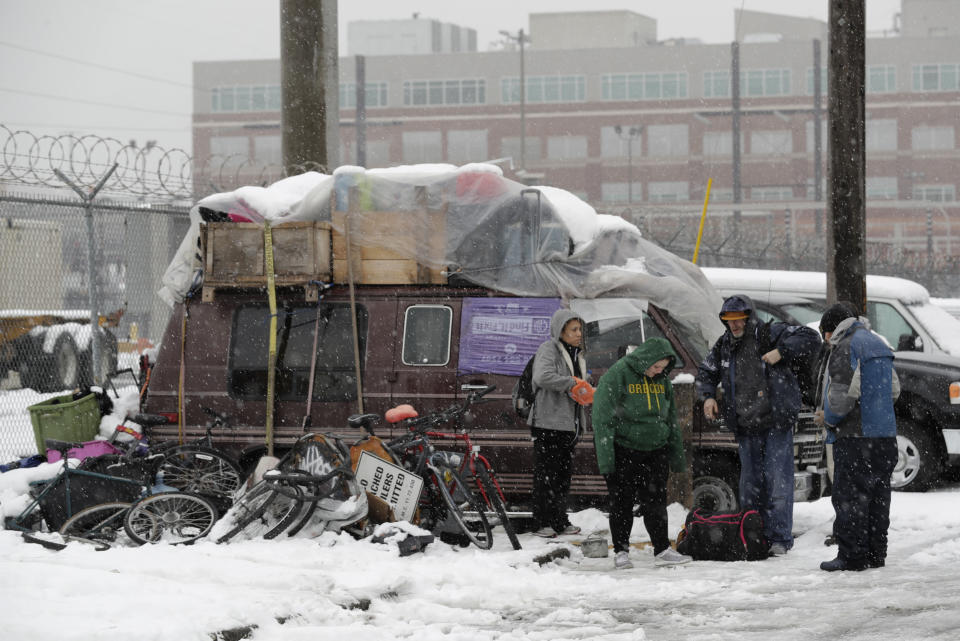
x=421 y=232
x=233 y=254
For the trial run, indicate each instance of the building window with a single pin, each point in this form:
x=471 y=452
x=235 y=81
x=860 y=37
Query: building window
x=668 y=192
x=470 y=91
x=614 y=145
x=422 y=146
x=881 y=79
x=544 y=89
x=376 y=95
x=246 y=98
x=881 y=134
x=620 y=192
x=716 y=84
x=721 y=195
x=566 y=147
x=466 y=145
x=266 y=150
x=668 y=140
x=823 y=81
x=882 y=187
x=510 y=148
x=930 y=138
x=644 y=86
x=771 y=143
x=771 y=193
x=824 y=141
x=935 y=193
x=426 y=335
x=718 y=143
x=230 y=146
x=935 y=77
x=765 y=82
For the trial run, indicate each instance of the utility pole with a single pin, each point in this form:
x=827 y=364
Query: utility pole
x=735 y=109
x=846 y=231
x=817 y=139
x=520 y=39
x=360 y=118
x=310 y=85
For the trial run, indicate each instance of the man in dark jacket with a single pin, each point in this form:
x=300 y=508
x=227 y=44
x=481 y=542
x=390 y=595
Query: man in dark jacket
x=857 y=407
x=761 y=401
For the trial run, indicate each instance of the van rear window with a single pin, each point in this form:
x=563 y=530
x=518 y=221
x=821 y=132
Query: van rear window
x=426 y=335
x=335 y=378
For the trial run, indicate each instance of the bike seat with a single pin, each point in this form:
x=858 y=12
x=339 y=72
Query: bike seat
x=362 y=420
x=60 y=446
x=148 y=420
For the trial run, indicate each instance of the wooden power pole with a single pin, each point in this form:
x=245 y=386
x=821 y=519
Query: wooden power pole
x=846 y=231
x=310 y=112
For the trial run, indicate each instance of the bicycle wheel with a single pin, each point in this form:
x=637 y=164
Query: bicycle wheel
x=173 y=517
x=265 y=511
x=494 y=499
x=200 y=470
x=459 y=499
x=103 y=522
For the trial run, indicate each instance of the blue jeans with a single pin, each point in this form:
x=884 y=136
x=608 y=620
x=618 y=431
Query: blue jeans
x=766 y=481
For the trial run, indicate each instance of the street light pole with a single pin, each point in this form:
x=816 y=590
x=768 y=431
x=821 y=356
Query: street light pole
x=520 y=39
x=631 y=134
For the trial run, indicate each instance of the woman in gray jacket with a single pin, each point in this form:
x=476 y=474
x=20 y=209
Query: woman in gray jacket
x=556 y=421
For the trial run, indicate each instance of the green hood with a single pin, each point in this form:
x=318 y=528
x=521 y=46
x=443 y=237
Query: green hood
x=651 y=351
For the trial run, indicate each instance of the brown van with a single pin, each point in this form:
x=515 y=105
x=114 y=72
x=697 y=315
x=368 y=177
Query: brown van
x=416 y=344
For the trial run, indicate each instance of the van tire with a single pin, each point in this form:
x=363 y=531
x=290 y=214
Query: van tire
x=714 y=494
x=919 y=458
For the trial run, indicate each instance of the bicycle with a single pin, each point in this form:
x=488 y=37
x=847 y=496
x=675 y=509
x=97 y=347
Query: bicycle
x=448 y=494
x=92 y=506
x=313 y=477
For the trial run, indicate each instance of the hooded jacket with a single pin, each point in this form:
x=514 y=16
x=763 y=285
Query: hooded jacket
x=795 y=342
x=637 y=412
x=861 y=384
x=553 y=408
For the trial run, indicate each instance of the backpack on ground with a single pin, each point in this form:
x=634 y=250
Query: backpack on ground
x=523 y=392
x=709 y=536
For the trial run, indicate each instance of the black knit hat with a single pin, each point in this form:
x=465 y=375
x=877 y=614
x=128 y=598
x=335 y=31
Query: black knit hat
x=835 y=314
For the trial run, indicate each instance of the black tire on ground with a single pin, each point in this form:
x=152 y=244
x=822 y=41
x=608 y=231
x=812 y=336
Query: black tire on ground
x=458 y=499
x=201 y=470
x=919 y=458
x=103 y=522
x=494 y=499
x=171 y=517
x=63 y=369
x=108 y=358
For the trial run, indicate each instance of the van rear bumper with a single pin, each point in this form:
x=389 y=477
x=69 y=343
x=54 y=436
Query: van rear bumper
x=810 y=484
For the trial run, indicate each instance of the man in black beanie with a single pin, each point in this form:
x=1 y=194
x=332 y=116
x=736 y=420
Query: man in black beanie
x=858 y=392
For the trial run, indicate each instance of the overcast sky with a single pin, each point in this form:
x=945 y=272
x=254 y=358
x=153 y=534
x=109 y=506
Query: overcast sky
x=122 y=68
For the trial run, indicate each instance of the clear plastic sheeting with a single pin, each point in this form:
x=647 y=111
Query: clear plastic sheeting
x=476 y=227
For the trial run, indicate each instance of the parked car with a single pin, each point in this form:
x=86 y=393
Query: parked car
x=928 y=410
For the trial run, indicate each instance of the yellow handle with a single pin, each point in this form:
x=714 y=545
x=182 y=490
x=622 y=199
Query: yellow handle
x=703 y=218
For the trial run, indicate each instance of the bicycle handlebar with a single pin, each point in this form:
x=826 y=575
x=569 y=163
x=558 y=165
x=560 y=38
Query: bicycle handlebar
x=423 y=423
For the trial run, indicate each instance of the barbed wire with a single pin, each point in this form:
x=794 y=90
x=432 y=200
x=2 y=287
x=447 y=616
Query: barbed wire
x=148 y=171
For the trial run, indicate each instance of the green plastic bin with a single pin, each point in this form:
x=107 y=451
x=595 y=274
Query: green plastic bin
x=65 y=419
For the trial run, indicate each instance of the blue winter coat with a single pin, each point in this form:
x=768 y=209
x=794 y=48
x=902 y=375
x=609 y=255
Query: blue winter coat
x=861 y=384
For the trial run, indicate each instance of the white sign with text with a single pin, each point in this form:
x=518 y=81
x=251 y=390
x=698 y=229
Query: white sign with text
x=400 y=488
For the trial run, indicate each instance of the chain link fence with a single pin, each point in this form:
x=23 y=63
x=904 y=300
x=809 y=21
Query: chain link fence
x=46 y=342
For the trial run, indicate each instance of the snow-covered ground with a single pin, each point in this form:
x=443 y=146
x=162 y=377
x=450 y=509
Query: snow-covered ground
x=336 y=587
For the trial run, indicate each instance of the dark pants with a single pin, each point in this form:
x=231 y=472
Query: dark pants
x=552 y=468
x=640 y=478
x=861 y=497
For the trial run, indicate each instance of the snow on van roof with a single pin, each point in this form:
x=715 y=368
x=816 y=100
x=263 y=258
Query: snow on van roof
x=814 y=284
x=491 y=231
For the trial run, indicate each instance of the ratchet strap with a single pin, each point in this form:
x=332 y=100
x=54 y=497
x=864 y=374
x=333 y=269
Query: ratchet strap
x=272 y=349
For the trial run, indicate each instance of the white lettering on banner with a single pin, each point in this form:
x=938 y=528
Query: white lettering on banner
x=400 y=488
x=500 y=325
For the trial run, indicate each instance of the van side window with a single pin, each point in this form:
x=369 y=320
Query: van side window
x=889 y=323
x=335 y=378
x=605 y=339
x=426 y=335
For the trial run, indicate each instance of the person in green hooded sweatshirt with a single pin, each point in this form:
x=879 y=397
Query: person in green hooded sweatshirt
x=637 y=442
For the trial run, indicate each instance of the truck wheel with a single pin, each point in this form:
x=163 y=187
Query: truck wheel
x=919 y=461
x=714 y=494
x=64 y=368
x=108 y=359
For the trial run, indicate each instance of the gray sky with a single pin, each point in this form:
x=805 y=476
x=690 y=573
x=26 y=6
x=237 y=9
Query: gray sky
x=122 y=68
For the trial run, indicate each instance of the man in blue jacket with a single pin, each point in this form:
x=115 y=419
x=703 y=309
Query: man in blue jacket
x=860 y=388
x=761 y=402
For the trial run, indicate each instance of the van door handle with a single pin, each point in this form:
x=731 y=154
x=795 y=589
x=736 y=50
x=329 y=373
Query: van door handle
x=472 y=387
